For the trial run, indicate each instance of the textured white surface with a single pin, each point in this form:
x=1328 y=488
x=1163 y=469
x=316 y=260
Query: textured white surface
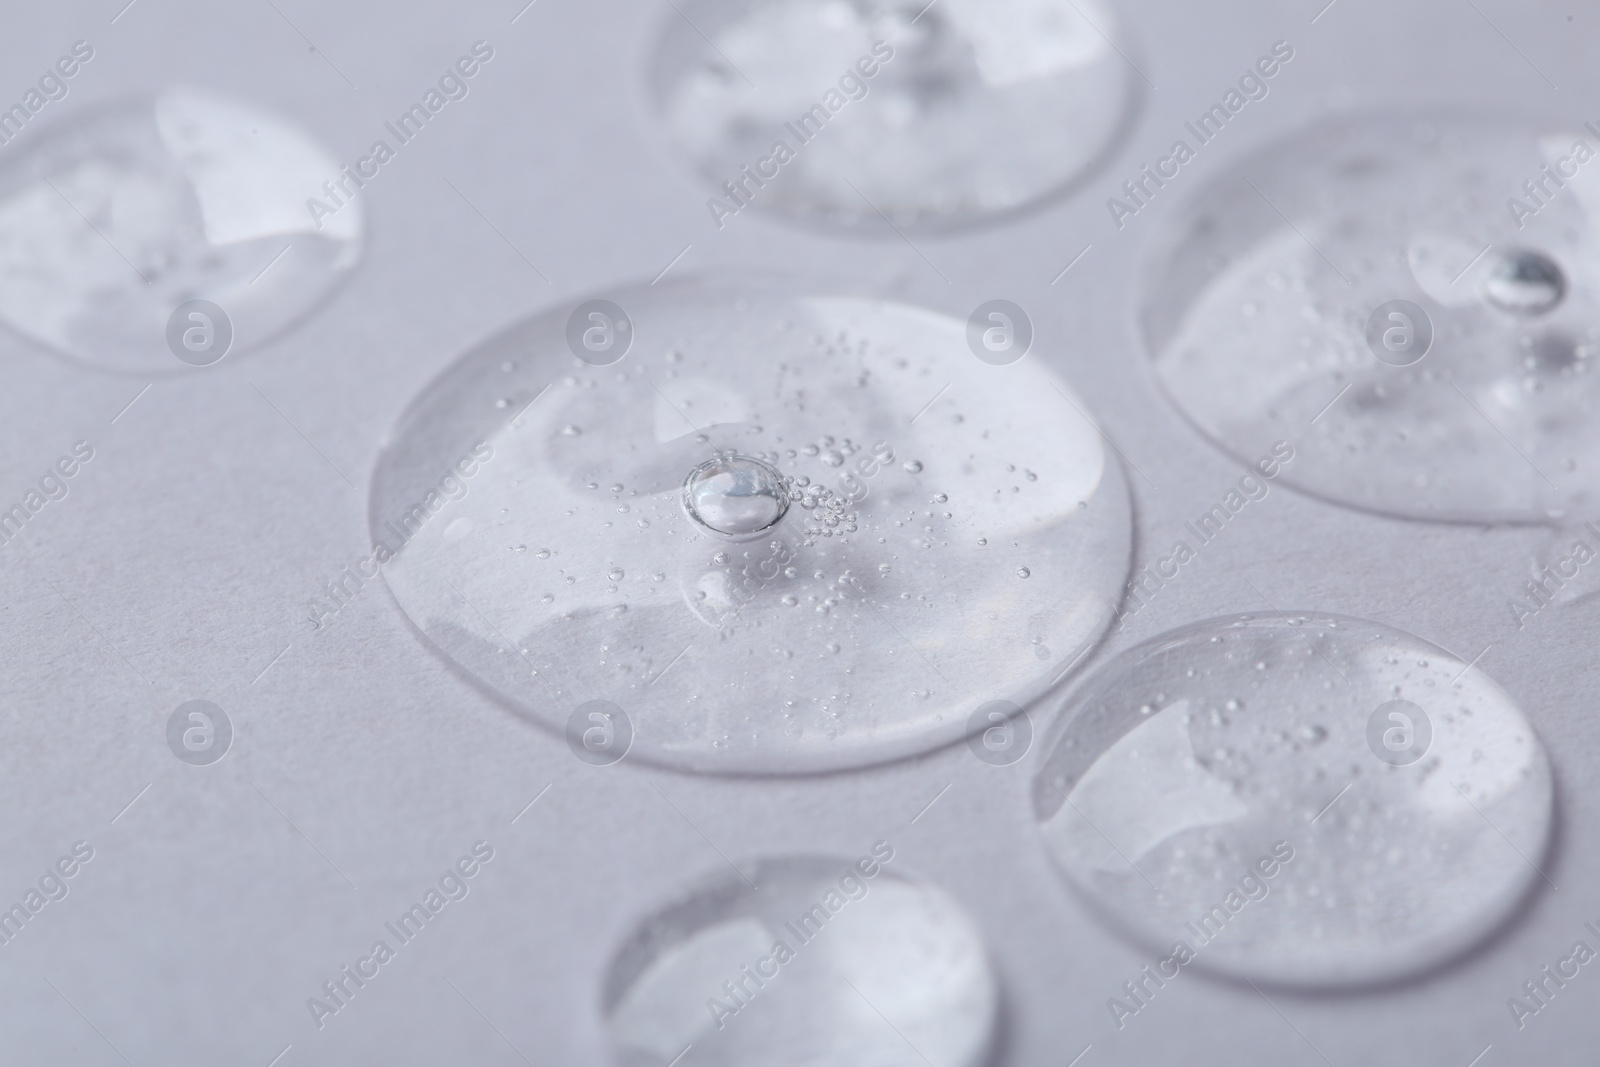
x=180 y=563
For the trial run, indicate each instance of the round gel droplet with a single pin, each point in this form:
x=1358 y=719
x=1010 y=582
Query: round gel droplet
x=123 y=222
x=1358 y=310
x=944 y=128
x=735 y=495
x=764 y=544
x=1366 y=807
x=905 y=949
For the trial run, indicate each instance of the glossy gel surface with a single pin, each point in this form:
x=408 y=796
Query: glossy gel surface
x=1274 y=314
x=1306 y=800
x=804 y=962
x=113 y=219
x=955 y=533
x=971 y=107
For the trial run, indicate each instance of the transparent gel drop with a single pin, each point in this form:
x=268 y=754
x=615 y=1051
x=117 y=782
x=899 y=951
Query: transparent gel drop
x=116 y=216
x=896 y=973
x=789 y=628
x=1383 y=295
x=971 y=107
x=735 y=495
x=1306 y=800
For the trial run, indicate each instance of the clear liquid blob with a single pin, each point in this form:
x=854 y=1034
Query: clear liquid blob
x=947 y=127
x=865 y=625
x=1309 y=801
x=112 y=220
x=1390 y=299
x=894 y=973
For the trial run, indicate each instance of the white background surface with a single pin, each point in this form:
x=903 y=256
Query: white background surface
x=183 y=558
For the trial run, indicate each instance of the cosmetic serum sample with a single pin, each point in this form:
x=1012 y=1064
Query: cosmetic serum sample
x=1303 y=800
x=155 y=233
x=1414 y=302
x=781 y=533
x=849 y=112
x=801 y=961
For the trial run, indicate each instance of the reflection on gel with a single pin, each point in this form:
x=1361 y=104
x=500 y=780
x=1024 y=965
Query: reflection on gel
x=784 y=532
x=1306 y=800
